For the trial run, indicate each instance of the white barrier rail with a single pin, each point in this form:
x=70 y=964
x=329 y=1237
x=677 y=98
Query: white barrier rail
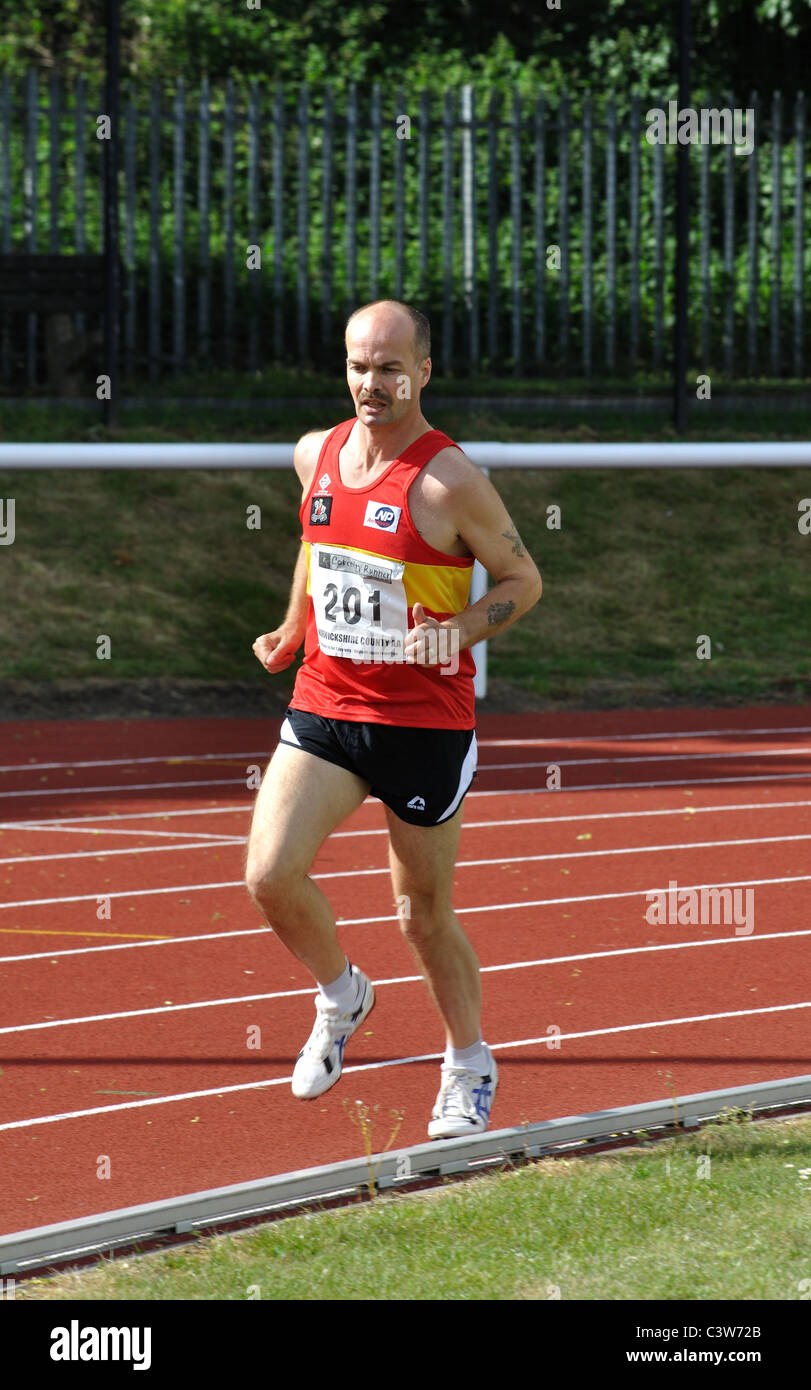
x=485 y=453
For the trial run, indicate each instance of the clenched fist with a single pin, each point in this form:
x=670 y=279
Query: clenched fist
x=277 y=650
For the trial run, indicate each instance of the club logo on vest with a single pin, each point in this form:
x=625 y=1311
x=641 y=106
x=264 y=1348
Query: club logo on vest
x=320 y=508
x=381 y=517
x=324 y=481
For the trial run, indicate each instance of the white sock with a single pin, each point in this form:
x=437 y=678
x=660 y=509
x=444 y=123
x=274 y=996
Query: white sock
x=473 y=1058
x=341 y=992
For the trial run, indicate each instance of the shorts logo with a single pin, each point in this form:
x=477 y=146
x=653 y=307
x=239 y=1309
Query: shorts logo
x=381 y=517
x=416 y=803
x=324 y=481
x=320 y=508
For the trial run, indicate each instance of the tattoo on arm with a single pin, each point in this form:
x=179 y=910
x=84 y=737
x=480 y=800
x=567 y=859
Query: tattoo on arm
x=517 y=543
x=500 y=612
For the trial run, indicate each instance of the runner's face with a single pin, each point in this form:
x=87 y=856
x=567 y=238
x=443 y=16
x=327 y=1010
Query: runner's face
x=381 y=372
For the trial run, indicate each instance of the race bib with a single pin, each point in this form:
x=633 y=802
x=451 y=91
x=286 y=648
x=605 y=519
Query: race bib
x=359 y=602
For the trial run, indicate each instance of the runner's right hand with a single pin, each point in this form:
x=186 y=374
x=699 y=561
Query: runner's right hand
x=277 y=650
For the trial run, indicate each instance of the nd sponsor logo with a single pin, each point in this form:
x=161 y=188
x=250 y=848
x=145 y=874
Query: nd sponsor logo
x=381 y=516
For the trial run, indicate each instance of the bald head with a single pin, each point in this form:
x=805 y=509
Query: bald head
x=388 y=317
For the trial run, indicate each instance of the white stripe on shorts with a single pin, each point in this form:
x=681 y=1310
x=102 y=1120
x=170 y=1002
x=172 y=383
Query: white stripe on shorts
x=287 y=734
x=465 y=778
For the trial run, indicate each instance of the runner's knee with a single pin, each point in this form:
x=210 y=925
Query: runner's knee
x=271 y=879
x=422 y=914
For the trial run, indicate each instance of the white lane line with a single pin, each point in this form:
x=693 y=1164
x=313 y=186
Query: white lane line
x=500 y=791
x=24 y=793
x=63 y=823
x=112 y=853
x=165 y=758
x=461 y=864
x=662 y=1023
x=596 y=853
x=621 y=738
x=608 y=815
x=129 y=893
x=359 y=921
x=374 y=873
x=397 y=980
x=162 y=1009
x=121 y=789
x=559 y=742
x=634 y=786
x=54 y=828
x=590 y=815
x=654 y=758
x=397 y=1062
x=59 y=822
x=587 y=898
x=133 y=945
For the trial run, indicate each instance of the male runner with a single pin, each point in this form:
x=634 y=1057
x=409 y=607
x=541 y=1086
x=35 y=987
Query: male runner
x=393 y=515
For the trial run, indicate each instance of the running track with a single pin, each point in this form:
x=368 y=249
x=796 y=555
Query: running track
x=125 y=1036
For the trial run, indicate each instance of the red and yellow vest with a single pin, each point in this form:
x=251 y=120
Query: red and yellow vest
x=367 y=565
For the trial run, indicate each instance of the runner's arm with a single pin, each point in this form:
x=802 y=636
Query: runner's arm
x=484 y=524
x=277 y=650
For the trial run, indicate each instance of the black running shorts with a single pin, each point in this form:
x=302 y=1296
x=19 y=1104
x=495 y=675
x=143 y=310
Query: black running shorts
x=421 y=774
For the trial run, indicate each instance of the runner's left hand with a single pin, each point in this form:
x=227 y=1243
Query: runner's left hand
x=420 y=648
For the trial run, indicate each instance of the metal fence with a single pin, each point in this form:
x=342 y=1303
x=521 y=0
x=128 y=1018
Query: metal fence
x=536 y=235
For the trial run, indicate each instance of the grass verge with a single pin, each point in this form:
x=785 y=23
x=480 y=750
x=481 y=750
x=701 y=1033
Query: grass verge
x=638 y=566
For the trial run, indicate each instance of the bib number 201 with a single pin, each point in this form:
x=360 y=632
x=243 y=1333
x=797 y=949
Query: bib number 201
x=351 y=603
x=360 y=603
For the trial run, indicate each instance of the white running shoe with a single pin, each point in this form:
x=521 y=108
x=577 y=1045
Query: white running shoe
x=464 y=1101
x=321 y=1058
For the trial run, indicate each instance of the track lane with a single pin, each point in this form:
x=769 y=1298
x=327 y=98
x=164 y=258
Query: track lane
x=177 y=1049
x=158 y=1150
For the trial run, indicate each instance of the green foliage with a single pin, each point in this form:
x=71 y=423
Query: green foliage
x=626 y=42
x=516 y=51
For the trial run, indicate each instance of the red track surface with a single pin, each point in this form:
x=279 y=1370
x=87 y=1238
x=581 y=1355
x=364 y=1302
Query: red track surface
x=550 y=888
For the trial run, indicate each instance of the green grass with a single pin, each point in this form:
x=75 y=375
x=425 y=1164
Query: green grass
x=644 y=564
x=641 y=1224
x=168 y=423
x=301 y=382
x=162 y=563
